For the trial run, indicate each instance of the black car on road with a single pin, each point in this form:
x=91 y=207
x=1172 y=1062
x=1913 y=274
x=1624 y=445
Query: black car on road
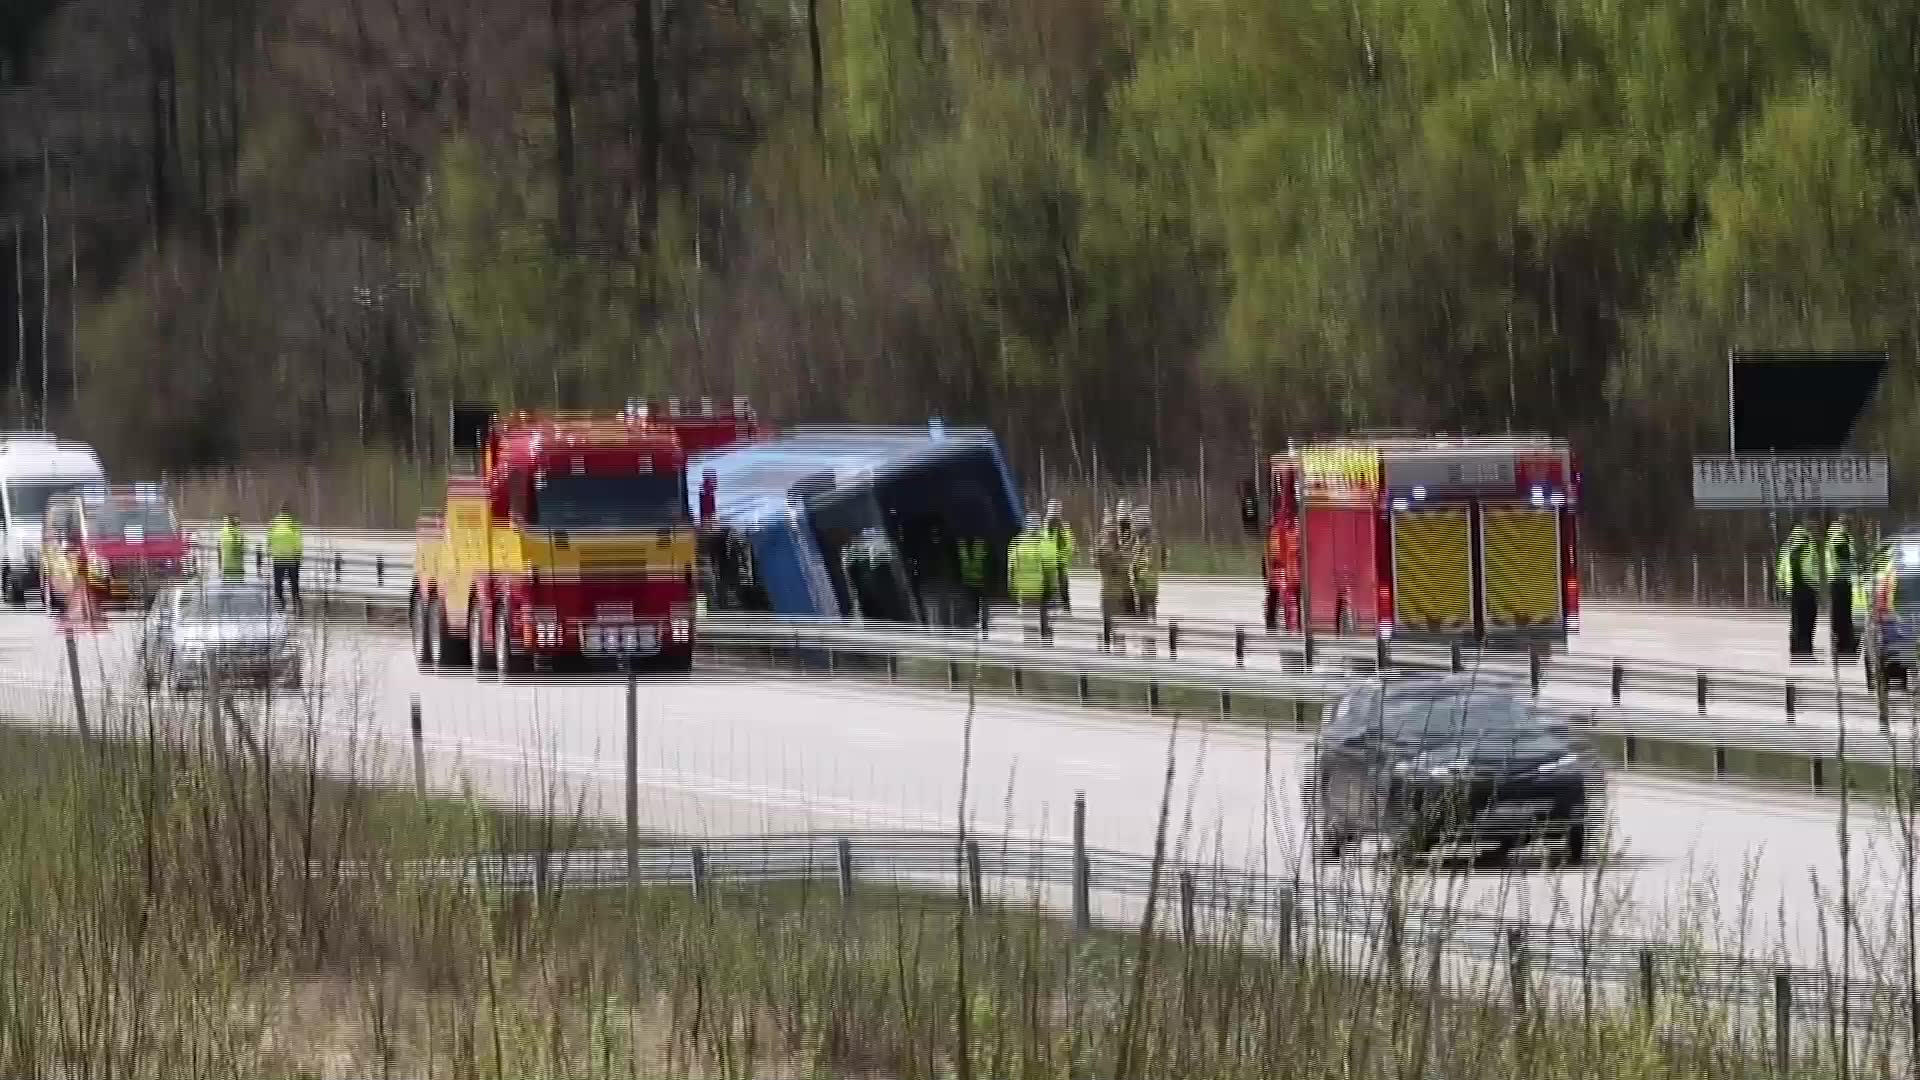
x=1425 y=763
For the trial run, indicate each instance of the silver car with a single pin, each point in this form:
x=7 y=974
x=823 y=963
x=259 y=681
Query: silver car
x=231 y=631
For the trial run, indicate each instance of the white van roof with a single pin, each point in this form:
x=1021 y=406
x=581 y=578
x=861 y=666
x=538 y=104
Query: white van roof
x=40 y=454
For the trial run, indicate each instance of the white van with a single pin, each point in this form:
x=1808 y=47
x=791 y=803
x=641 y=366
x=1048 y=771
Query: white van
x=34 y=467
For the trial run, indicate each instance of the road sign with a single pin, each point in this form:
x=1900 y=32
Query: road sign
x=1763 y=482
x=1798 y=403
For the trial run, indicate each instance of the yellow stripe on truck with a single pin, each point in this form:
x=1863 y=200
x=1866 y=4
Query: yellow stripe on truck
x=1522 y=567
x=1432 y=571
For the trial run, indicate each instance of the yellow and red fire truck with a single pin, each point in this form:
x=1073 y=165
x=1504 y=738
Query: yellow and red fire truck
x=1424 y=538
x=572 y=541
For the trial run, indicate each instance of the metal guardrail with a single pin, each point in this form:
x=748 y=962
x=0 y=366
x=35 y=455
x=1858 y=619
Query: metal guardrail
x=1207 y=658
x=1292 y=907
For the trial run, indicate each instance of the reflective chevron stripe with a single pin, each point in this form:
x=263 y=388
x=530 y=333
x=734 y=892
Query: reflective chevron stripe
x=1432 y=571
x=1521 y=548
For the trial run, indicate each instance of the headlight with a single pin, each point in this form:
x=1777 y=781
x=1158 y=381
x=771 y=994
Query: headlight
x=1563 y=763
x=1430 y=770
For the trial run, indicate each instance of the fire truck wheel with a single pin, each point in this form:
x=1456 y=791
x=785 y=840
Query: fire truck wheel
x=422 y=637
x=483 y=657
x=676 y=661
x=504 y=659
x=1272 y=613
x=452 y=652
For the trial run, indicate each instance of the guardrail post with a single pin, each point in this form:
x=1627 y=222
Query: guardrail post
x=1106 y=631
x=379 y=569
x=1019 y=681
x=259 y=560
x=1517 y=967
x=1533 y=671
x=1173 y=641
x=1455 y=662
x=338 y=567
x=1700 y=692
x=1226 y=703
x=79 y=694
x=1082 y=871
x=953 y=674
x=986 y=618
x=1393 y=941
x=1719 y=762
x=1380 y=657
x=419 y=748
x=1647 y=1001
x=1186 y=907
x=1629 y=750
x=1082 y=688
x=1791 y=694
x=893 y=667
x=1153 y=697
x=1619 y=680
x=699 y=869
x=976 y=893
x=1284 y=930
x=1817 y=773
x=1239 y=647
x=843 y=857
x=1782 y=1022
x=1046 y=625
x=1306 y=642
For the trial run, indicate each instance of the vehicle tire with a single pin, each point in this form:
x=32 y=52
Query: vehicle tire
x=447 y=648
x=1272 y=614
x=483 y=657
x=504 y=659
x=417 y=613
x=676 y=661
x=16 y=590
x=1573 y=847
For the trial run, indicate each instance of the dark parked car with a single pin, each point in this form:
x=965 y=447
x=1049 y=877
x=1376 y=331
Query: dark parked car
x=1431 y=762
x=231 y=631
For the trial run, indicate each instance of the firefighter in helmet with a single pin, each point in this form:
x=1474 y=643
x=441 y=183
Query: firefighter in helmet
x=1030 y=566
x=1060 y=534
x=1148 y=559
x=1111 y=556
x=1799 y=573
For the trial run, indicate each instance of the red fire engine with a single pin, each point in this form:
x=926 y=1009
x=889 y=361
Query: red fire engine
x=1424 y=538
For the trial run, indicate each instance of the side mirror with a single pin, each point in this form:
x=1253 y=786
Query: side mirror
x=1250 y=507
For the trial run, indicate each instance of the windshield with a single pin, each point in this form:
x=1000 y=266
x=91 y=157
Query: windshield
x=213 y=605
x=130 y=521
x=27 y=499
x=1410 y=716
x=620 y=501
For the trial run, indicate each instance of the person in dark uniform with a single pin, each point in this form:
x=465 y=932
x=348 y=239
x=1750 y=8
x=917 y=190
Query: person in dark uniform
x=1840 y=571
x=1798 y=572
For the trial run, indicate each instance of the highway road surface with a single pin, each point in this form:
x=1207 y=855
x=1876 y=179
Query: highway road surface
x=733 y=754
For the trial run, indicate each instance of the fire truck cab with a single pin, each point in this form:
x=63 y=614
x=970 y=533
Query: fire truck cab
x=572 y=541
x=1423 y=538
x=118 y=544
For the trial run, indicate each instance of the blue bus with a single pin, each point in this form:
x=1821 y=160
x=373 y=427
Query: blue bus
x=839 y=522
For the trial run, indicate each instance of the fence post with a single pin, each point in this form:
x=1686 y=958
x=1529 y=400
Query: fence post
x=1700 y=692
x=1082 y=871
x=1783 y=1022
x=953 y=674
x=1380 y=656
x=379 y=569
x=1719 y=762
x=1019 y=681
x=1629 y=749
x=699 y=868
x=1173 y=641
x=1153 y=697
x=1517 y=967
x=79 y=693
x=419 y=748
x=1226 y=704
x=1186 y=907
x=1082 y=688
x=1106 y=631
x=338 y=568
x=1239 y=647
x=1455 y=662
x=1647 y=1001
x=843 y=857
x=1533 y=671
x=1619 y=680
x=1790 y=701
x=1817 y=772
x=976 y=893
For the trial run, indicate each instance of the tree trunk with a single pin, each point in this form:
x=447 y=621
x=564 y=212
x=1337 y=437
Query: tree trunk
x=813 y=56
x=160 y=116
x=646 y=78
x=562 y=124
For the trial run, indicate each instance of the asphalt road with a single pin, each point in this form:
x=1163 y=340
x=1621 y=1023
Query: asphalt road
x=733 y=754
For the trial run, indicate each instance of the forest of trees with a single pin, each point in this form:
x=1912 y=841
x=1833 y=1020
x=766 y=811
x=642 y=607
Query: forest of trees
x=238 y=228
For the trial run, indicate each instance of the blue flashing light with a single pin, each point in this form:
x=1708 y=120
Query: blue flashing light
x=1557 y=500
x=1539 y=496
x=1399 y=504
x=1419 y=492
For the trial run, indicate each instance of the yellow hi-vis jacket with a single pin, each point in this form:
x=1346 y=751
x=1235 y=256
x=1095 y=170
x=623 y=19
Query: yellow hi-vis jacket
x=284 y=543
x=1030 y=563
x=233 y=551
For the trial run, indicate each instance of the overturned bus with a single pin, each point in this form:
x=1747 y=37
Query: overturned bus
x=857 y=522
